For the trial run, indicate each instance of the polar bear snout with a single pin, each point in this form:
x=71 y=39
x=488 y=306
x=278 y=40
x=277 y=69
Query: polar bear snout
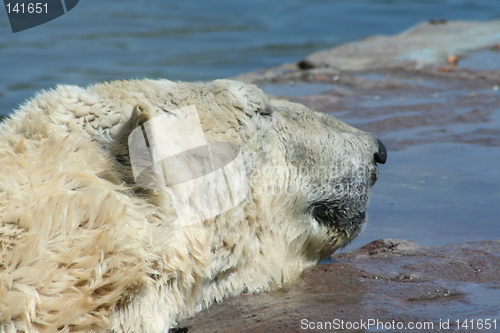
x=381 y=155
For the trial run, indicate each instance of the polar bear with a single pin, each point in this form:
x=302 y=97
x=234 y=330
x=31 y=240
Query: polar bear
x=85 y=248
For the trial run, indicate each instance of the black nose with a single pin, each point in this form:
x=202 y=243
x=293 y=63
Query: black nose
x=381 y=155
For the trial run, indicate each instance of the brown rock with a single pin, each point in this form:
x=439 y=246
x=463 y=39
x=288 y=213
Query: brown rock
x=392 y=283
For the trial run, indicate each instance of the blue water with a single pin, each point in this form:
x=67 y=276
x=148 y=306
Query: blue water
x=197 y=39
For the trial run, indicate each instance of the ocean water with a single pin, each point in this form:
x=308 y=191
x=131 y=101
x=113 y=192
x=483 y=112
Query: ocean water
x=422 y=199
x=197 y=40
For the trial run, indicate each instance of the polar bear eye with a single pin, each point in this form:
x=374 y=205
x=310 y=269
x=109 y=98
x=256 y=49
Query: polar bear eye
x=265 y=111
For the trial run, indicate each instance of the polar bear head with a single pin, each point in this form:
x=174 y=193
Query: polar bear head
x=309 y=177
x=108 y=251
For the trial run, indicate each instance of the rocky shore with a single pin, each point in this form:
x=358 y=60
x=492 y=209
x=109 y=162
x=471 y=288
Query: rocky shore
x=383 y=82
x=437 y=82
x=389 y=282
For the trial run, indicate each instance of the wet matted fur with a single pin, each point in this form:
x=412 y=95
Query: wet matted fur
x=84 y=248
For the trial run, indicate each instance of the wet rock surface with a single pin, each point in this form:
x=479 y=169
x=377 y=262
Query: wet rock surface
x=434 y=85
x=424 y=85
x=416 y=108
x=394 y=283
x=426 y=44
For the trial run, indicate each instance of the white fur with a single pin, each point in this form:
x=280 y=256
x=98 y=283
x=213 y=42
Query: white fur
x=84 y=249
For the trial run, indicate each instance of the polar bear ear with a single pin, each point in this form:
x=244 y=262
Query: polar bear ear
x=119 y=147
x=138 y=116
